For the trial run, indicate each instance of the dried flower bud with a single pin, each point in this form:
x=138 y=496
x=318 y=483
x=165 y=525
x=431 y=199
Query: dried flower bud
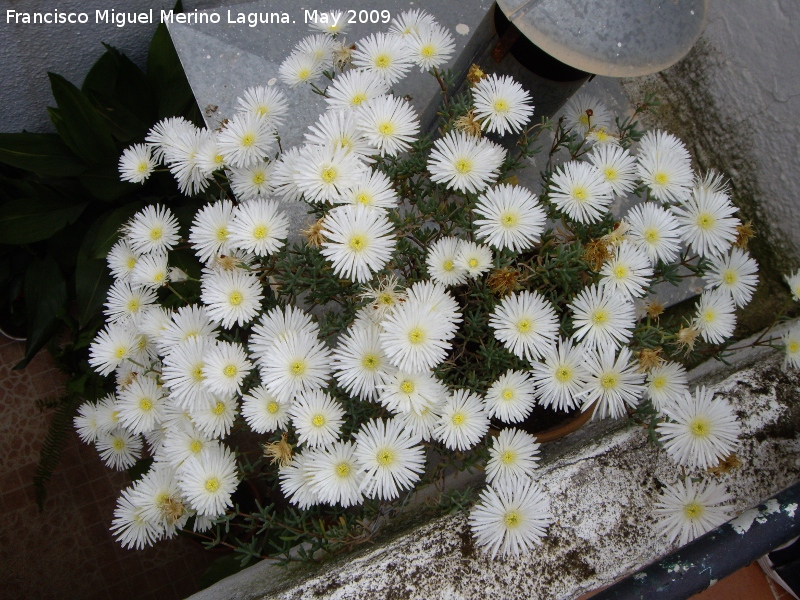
x=227 y=263
x=618 y=234
x=468 y=124
x=503 y=281
x=649 y=358
x=313 y=234
x=171 y=509
x=726 y=465
x=687 y=337
x=589 y=112
x=744 y=233
x=596 y=253
x=280 y=452
x=654 y=308
x=475 y=74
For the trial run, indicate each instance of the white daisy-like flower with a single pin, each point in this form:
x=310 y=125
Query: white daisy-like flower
x=715 y=318
x=320 y=47
x=208 y=158
x=601 y=317
x=317 y=418
x=512 y=218
x=511 y=398
x=389 y=123
x=627 y=272
x=600 y=136
x=284 y=175
x=182 y=371
x=665 y=166
x=252 y=181
x=686 y=510
x=245 y=140
x=666 y=383
x=411 y=392
x=184 y=160
x=358 y=241
x=225 y=368
x=512 y=456
x=108 y=414
x=441 y=262
x=136 y=163
x=130 y=527
x=793 y=281
x=191 y=321
x=384 y=54
x=700 y=430
x=121 y=260
x=616 y=165
x=295 y=479
x=463 y=421
x=511 y=520
x=141 y=405
x=560 y=379
x=474 y=258
x=265 y=102
x=208 y=480
x=296 y=364
x=341 y=129
x=333 y=22
x=373 y=189
x=381 y=298
x=299 y=68
x=420 y=424
x=613 y=381
x=215 y=418
x=736 y=274
x=707 y=223
x=263 y=412
x=713 y=181
x=119 y=448
x=182 y=444
x=584 y=112
x=430 y=46
x=325 y=173
x=791 y=347
x=259 y=227
x=158 y=494
x=151 y=271
x=152 y=229
x=115 y=343
x=86 y=422
x=581 y=192
x=125 y=302
x=526 y=323
x=410 y=21
x=655 y=231
x=232 y=297
x=336 y=476
x=209 y=234
x=352 y=89
x=465 y=163
x=277 y=324
x=502 y=104
x=390 y=458
x=359 y=363
x=164 y=135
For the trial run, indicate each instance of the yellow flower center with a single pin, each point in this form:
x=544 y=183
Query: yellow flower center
x=600 y=316
x=382 y=61
x=119 y=444
x=343 y=469
x=463 y=166
x=610 y=173
x=659 y=382
x=143 y=167
x=620 y=271
x=120 y=352
x=196 y=446
x=700 y=427
x=385 y=457
x=507 y=457
x=230 y=371
x=407 y=387
x=146 y=404
x=219 y=408
x=661 y=178
x=133 y=304
x=651 y=235
x=303 y=73
x=563 y=374
x=693 y=510
x=298 y=367
x=584 y=119
x=609 y=381
x=260 y=232
x=500 y=106
x=416 y=335
x=730 y=277
x=357 y=243
x=262 y=111
x=370 y=362
x=318 y=420
x=580 y=193
x=248 y=139
x=512 y=519
x=427 y=51
x=222 y=234
x=358 y=99
x=709 y=316
x=473 y=262
x=235 y=298
x=448 y=265
x=212 y=485
x=458 y=419
x=794 y=346
x=509 y=219
x=197 y=373
x=386 y=299
x=159 y=277
x=524 y=325
x=272 y=407
x=363 y=198
x=156 y=233
x=329 y=174
x=705 y=221
x=386 y=128
x=131 y=262
x=507 y=394
x=258 y=178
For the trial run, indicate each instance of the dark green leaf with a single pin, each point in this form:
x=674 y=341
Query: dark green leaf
x=27 y=220
x=43 y=153
x=219 y=569
x=108 y=233
x=45 y=298
x=103 y=183
x=92 y=278
x=140 y=467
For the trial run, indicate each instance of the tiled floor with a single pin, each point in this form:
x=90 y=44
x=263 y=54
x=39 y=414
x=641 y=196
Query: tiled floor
x=67 y=551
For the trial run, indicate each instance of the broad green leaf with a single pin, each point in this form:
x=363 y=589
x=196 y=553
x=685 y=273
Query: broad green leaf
x=45 y=298
x=108 y=233
x=43 y=153
x=28 y=220
x=92 y=278
x=103 y=183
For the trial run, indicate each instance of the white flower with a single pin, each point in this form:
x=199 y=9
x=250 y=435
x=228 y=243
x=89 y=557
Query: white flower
x=581 y=192
x=441 y=262
x=208 y=480
x=276 y=325
x=207 y=158
x=525 y=323
x=383 y=54
x=121 y=260
x=411 y=392
x=655 y=231
x=373 y=189
x=190 y=321
x=325 y=173
x=791 y=346
x=183 y=369
x=715 y=318
x=627 y=272
x=511 y=520
x=184 y=160
x=560 y=379
x=381 y=299
x=263 y=412
x=410 y=21
x=430 y=46
x=359 y=362
x=259 y=227
x=108 y=414
x=584 y=112
x=299 y=68
x=512 y=218
x=265 y=102
x=296 y=364
x=612 y=382
x=164 y=135
x=353 y=88
x=389 y=123
x=502 y=104
x=358 y=241
x=463 y=421
x=284 y=175
x=706 y=222
x=333 y=22
x=152 y=229
x=617 y=166
x=119 y=448
x=713 y=181
x=687 y=510
x=295 y=480
x=465 y=163
x=420 y=424
x=512 y=456
x=114 y=344
x=340 y=129
x=141 y=405
x=158 y=494
x=225 y=368
x=181 y=444
x=735 y=274
x=317 y=418
x=700 y=431
x=601 y=317
x=136 y=164
x=335 y=475
x=130 y=527
x=510 y=398
x=665 y=166
x=215 y=418
x=600 y=136
x=232 y=297
x=666 y=383
x=320 y=47
x=474 y=258
x=252 y=181
x=125 y=302
x=245 y=140
x=793 y=281
x=86 y=422
x=390 y=458
x=209 y=234
x=151 y=271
